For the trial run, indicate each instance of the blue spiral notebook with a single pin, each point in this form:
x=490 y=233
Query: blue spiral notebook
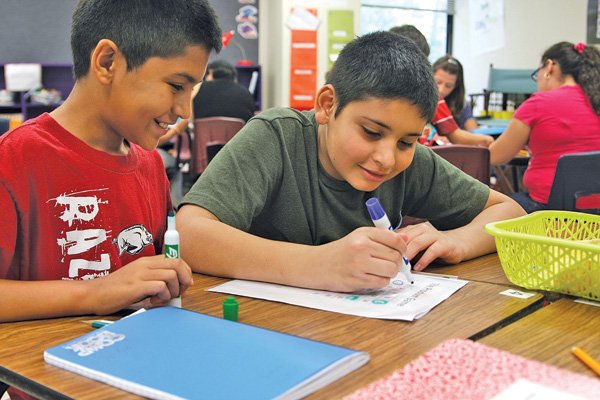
x=173 y=353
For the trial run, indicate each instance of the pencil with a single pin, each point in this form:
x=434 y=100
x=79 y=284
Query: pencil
x=586 y=359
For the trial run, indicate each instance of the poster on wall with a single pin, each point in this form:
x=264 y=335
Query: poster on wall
x=303 y=24
x=340 y=31
x=486 y=25
x=240 y=24
x=246 y=19
x=593 y=21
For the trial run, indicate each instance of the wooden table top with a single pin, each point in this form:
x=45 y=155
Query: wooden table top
x=482 y=269
x=475 y=308
x=548 y=334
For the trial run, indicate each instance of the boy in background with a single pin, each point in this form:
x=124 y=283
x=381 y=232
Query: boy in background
x=84 y=196
x=444 y=122
x=284 y=201
x=220 y=95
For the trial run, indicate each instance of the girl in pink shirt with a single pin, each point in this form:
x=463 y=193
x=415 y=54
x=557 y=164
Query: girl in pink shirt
x=562 y=118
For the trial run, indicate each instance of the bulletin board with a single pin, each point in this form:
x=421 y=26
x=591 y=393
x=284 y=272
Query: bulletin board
x=34 y=31
x=241 y=16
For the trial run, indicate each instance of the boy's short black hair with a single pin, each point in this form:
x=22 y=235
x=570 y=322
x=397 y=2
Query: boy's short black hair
x=413 y=34
x=142 y=29
x=387 y=66
x=221 y=69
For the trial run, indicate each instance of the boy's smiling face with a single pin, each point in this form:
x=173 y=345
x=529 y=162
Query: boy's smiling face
x=370 y=141
x=143 y=101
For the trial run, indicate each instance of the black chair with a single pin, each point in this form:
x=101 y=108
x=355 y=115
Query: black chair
x=212 y=149
x=576 y=185
x=3 y=387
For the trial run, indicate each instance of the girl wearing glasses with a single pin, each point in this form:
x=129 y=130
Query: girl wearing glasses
x=562 y=118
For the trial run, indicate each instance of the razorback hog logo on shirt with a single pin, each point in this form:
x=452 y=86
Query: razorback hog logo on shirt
x=133 y=239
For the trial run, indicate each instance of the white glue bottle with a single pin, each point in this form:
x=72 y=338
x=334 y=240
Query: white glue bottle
x=171 y=244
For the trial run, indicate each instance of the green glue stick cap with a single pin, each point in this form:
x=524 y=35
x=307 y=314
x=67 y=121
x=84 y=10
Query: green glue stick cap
x=230 y=308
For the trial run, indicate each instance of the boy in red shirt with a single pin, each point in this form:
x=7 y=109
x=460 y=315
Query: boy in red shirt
x=84 y=195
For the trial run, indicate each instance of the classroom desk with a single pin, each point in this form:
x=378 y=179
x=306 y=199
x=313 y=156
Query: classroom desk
x=489 y=130
x=482 y=269
x=476 y=308
x=516 y=167
x=548 y=334
x=493 y=122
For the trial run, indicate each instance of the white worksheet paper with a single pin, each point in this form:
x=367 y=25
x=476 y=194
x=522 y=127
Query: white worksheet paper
x=399 y=300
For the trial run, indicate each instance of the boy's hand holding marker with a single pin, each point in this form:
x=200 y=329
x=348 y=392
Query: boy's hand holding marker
x=365 y=259
x=381 y=220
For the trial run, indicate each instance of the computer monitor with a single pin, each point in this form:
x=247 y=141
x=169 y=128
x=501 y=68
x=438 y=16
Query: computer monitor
x=22 y=77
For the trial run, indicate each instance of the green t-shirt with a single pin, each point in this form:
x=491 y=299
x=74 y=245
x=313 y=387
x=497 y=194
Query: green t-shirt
x=268 y=181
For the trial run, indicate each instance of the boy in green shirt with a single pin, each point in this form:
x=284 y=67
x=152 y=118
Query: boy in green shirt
x=284 y=201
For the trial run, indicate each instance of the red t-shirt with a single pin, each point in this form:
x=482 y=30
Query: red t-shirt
x=69 y=211
x=443 y=120
x=562 y=121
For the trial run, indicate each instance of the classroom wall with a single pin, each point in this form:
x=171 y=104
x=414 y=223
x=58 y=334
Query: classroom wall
x=227 y=11
x=36 y=31
x=530 y=27
x=39 y=31
x=275 y=44
x=269 y=51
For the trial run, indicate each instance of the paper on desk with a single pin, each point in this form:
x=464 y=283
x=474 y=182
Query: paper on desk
x=399 y=300
x=523 y=389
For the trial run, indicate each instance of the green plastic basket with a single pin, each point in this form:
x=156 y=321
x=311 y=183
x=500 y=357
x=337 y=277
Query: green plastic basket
x=547 y=250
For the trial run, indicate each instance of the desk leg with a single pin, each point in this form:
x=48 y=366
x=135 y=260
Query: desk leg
x=503 y=180
x=515 y=178
x=517 y=175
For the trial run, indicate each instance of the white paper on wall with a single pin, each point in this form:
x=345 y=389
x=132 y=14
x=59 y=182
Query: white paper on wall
x=486 y=25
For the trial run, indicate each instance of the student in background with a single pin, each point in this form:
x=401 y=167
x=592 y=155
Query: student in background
x=449 y=77
x=85 y=196
x=443 y=121
x=168 y=152
x=221 y=96
x=284 y=201
x=562 y=118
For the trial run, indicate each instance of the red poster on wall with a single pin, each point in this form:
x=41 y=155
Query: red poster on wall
x=303 y=71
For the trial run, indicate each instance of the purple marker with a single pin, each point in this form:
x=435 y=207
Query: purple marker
x=381 y=220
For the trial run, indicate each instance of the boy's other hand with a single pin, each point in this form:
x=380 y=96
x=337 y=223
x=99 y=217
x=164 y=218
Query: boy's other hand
x=157 y=279
x=366 y=258
x=434 y=244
